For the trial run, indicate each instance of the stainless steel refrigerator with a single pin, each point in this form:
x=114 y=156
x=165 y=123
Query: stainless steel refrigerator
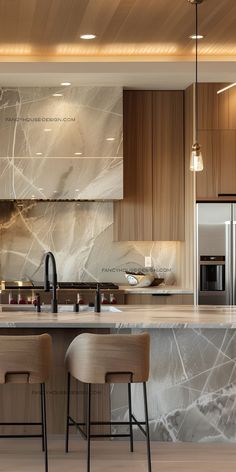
x=216 y=253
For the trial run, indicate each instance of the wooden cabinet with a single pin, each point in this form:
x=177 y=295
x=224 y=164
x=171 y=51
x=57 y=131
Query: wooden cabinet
x=213 y=107
x=153 y=205
x=207 y=180
x=168 y=166
x=227 y=163
x=133 y=215
x=217 y=135
x=147 y=299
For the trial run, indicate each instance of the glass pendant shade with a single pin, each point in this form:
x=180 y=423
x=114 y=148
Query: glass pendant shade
x=196 y=161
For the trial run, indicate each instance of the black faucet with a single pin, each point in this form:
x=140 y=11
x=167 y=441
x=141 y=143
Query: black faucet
x=49 y=255
x=38 y=303
x=97 y=304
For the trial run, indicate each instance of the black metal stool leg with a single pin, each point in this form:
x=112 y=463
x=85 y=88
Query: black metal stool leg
x=67 y=412
x=42 y=427
x=147 y=427
x=45 y=426
x=88 y=426
x=130 y=419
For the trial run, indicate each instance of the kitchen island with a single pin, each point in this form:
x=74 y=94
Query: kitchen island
x=192 y=380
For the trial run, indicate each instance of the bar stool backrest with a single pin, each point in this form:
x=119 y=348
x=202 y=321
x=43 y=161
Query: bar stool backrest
x=25 y=359
x=97 y=358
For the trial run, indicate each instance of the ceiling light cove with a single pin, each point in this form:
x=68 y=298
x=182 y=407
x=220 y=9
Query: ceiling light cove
x=118 y=49
x=110 y=139
x=65 y=84
x=88 y=36
x=57 y=94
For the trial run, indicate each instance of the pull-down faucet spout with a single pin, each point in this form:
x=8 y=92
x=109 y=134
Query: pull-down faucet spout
x=48 y=256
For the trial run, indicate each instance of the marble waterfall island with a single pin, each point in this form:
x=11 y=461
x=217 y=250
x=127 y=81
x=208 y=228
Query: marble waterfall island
x=192 y=386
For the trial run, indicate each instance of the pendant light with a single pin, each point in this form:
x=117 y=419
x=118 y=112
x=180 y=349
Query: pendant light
x=196 y=162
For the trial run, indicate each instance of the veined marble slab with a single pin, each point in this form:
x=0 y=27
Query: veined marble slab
x=192 y=384
x=80 y=234
x=129 y=316
x=68 y=146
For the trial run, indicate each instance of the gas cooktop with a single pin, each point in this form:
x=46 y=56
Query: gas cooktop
x=87 y=285
x=63 y=285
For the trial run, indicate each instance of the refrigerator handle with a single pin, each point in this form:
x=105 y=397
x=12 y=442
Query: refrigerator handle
x=233 y=254
x=229 y=262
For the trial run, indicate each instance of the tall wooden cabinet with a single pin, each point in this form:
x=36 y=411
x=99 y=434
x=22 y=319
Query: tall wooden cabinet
x=153 y=205
x=217 y=135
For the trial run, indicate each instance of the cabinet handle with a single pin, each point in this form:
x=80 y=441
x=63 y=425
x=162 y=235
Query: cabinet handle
x=226 y=194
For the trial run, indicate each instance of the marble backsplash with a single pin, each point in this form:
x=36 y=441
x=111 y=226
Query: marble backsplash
x=61 y=143
x=80 y=234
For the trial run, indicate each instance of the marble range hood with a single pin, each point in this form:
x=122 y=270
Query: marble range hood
x=61 y=143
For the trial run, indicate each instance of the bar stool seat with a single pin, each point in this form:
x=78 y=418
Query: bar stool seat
x=27 y=360
x=109 y=358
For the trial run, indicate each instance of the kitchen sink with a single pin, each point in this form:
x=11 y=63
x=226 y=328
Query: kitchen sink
x=61 y=308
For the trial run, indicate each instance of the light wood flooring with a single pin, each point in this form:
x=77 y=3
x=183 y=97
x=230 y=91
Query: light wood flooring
x=107 y=456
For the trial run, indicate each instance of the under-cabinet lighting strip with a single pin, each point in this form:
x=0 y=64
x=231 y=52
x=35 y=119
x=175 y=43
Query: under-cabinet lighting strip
x=226 y=88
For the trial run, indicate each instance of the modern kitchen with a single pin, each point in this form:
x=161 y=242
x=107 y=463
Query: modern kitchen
x=117 y=235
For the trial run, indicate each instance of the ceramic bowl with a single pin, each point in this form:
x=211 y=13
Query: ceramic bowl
x=137 y=280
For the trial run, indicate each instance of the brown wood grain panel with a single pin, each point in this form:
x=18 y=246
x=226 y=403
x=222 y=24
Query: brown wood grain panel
x=232 y=108
x=227 y=162
x=123 y=27
x=213 y=108
x=185 y=250
x=207 y=180
x=133 y=215
x=22 y=402
x=168 y=166
x=148 y=299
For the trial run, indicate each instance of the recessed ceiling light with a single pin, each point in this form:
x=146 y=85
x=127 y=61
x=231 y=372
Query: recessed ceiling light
x=47 y=129
x=57 y=94
x=65 y=84
x=77 y=189
x=87 y=36
x=39 y=153
x=110 y=139
x=77 y=153
x=198 y=36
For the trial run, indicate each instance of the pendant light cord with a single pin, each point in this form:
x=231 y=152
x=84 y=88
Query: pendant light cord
x=196 y=76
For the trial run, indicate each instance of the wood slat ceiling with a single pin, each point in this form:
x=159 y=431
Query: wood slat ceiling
x=52 y=28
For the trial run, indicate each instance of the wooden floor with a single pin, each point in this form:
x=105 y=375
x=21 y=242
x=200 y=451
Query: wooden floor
x=25 y=456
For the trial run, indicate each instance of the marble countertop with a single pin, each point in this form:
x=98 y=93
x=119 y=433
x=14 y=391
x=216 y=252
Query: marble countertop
x=159 y=290
x=129 y=316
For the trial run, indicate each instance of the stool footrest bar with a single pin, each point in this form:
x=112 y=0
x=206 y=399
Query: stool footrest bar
x=20 y=436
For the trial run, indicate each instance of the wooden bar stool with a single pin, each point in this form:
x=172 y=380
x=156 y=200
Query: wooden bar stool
x=108 y=358
x=27 y=360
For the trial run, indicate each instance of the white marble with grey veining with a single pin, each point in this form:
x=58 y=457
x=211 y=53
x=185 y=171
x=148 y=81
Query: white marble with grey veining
x=192 y=384
x=80 y=234
x=44 y=164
